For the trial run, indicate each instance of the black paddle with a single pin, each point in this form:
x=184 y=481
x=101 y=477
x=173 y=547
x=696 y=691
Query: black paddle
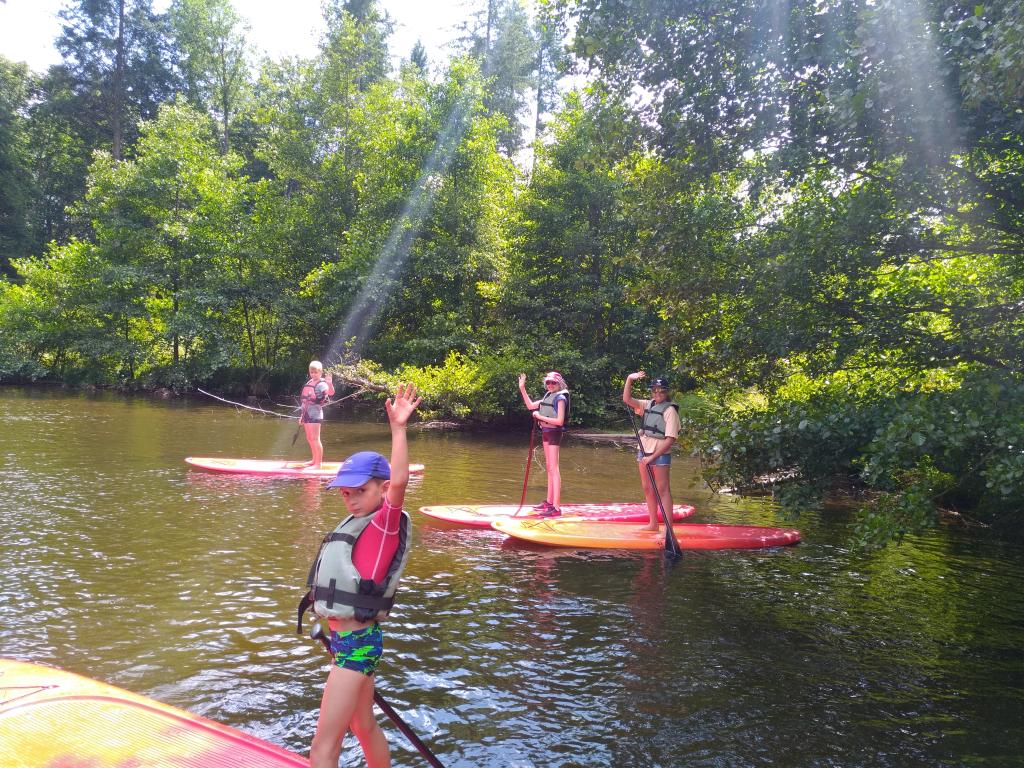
x=317 y=633
x=672 y=547
x=529 y=461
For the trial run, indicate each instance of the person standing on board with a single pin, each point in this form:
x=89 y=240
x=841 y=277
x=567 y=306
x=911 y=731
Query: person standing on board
x=315 y=394
x=373 y=492
x=658 y=432
x=552 y=413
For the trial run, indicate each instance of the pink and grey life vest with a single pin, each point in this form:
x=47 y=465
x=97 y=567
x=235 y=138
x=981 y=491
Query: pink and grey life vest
x=335 y=588
x=314 y=396
x=548 y=408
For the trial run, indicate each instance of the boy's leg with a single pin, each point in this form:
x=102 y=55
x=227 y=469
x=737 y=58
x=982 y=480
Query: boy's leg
x=337 y=709
x=368 y=731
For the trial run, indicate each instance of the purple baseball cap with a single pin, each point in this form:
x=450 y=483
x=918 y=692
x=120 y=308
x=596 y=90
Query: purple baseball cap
x=360 y=467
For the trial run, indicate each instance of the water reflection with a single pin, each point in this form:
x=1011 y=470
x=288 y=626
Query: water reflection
x=121 y=563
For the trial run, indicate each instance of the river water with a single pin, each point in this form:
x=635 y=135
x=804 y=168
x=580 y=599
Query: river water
x=119 y=562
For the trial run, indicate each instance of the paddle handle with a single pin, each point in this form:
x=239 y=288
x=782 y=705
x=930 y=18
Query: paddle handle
x=671 y=544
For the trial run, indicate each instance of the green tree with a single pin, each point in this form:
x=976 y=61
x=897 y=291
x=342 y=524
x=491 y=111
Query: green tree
x=210 y=35
x=418 y=56
x=833 y=218
x=552 y=60
x=16 y=181
x=567 y=289
x=61 y=154
x=500 y=37
x=115 y=57
x=164 y=221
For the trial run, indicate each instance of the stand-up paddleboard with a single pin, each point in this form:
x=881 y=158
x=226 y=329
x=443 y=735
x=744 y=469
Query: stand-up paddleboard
x=53 y=718
x=482 y=515
x=271 y=467
x=578 y=532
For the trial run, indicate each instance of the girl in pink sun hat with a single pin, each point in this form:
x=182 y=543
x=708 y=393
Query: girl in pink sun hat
x=552 y=413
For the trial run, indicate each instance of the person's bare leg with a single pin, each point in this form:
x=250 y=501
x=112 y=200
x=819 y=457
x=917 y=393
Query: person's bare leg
x=554 y=475
x=650 y=498
x=368 y=730
x=337 y=709
x=661 y=480
x=316 y=448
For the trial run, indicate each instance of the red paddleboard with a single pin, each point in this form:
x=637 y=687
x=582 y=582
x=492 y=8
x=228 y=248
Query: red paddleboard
x=271 y=467
x=482 y=515
x=578 y=532
x=53 y=718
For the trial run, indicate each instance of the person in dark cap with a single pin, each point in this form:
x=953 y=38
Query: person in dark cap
x=373 y=491
x=658 y=432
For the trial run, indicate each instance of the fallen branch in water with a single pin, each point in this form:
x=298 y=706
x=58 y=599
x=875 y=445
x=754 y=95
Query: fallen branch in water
x=363 y=384
x=247 y=407
x=275 y=413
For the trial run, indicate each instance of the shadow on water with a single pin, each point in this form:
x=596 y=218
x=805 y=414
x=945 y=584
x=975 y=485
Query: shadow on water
x=121 y=563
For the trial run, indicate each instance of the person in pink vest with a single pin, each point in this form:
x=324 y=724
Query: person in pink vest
x=316 y=393
x=551 y=412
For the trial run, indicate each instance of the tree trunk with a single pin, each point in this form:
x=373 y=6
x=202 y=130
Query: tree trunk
x=117 y=97
x=487 y=39
x=224 y=97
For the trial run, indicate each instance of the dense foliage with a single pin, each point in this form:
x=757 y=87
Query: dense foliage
x=810 y=214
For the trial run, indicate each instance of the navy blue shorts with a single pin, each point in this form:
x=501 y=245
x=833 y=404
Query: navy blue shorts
x=359 y=650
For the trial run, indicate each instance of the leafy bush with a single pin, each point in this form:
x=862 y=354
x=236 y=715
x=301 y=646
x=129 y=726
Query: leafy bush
x=913 y=451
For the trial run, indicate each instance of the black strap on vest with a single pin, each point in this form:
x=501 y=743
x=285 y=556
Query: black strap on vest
x=331 y=595
x=335 y=536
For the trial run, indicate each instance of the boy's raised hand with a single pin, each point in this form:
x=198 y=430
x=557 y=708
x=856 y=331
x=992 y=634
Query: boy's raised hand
x=402 y=406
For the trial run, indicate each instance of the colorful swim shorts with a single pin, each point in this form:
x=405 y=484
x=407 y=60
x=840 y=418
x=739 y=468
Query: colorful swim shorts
x=359 y=650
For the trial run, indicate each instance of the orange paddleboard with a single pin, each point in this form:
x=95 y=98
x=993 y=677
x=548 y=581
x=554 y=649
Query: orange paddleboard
x=579 y=532
x=274 y=468
x=53 y=718
x=482 y=515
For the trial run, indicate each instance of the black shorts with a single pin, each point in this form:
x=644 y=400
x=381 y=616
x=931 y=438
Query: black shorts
x=552 y=436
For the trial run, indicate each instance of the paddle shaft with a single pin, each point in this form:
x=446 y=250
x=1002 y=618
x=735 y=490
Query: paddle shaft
x=529 y=461
x=317 y=633
x=671 y=544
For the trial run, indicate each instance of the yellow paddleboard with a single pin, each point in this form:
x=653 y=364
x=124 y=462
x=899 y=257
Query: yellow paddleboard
x=579 y=532
x=53 y=718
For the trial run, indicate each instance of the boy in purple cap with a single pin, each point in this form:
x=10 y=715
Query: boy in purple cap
x=374 y=493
